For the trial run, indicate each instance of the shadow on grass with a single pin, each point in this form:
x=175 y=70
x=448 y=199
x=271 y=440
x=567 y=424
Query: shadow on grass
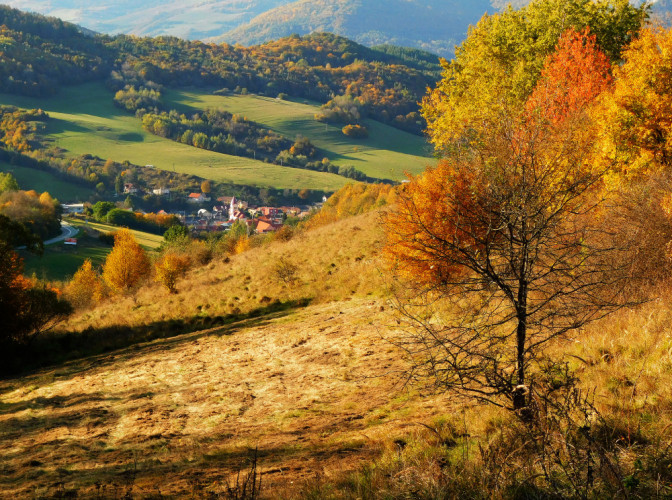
x=131 y=137
x=143 y=470
x=58 y=348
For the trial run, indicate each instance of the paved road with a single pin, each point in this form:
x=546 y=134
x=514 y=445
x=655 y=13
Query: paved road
x=67 y=231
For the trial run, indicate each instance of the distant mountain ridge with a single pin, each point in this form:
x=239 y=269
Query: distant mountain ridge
x=433 y=25
x=188 y=19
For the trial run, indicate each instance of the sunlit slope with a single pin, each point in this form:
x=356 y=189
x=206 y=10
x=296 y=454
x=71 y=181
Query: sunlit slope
x=40 y=181
x=386 y=154
x=85 y=120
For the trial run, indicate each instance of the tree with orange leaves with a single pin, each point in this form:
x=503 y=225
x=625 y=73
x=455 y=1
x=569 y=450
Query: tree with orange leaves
x=498 y=246
x=127 y=264
x=25 y=307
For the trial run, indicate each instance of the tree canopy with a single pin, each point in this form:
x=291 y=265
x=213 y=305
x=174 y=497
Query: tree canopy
x=502 y=244
x=498 y=65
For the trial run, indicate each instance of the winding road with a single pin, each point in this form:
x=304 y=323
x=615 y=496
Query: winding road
x=67 y=231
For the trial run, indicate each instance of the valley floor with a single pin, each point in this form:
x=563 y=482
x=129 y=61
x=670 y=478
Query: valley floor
x=315 y=390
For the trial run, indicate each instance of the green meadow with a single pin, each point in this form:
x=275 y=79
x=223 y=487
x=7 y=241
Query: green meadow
x=386 y=154
x=61 y=261
x=85 y=120
x=41 y=181
x=148 y=240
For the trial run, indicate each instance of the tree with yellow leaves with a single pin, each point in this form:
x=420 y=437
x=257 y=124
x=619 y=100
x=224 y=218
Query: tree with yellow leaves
x=499 y=245
x=169 y=268
x=637 y=118
x=127 y=264
x=86 y=286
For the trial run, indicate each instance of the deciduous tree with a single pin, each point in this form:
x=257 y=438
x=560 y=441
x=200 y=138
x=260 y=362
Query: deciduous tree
x=127 y=264
x=86 y=286
x=501 y=245
x=637 y=118
x=26 y=308
x=169 y=268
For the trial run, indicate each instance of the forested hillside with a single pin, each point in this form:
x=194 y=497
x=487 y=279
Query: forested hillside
x=42 y=53
x=437 y=25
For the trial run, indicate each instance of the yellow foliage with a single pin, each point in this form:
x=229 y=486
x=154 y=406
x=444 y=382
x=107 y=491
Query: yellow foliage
x=242 y=245
x=637 y=116
x=169 y=268
x=353 y=199
x=86 y=287
x=126 y=264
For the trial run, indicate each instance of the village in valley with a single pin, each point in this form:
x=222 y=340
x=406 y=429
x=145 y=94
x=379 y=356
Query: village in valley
x=228 y=210
x=204 y=213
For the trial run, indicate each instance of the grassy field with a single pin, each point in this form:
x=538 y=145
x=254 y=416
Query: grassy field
x=386 y=154
x=148 y=240
x=60 y=261
x=40 y=181
x=85 y=120
x=318 y=389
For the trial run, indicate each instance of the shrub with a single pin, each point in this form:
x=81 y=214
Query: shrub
x=356 y=131
x=169 y=268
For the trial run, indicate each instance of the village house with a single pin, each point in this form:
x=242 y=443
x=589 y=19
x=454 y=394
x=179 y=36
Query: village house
x=266 y=226
x=292 y=211
x=197 y=198
x=161 y=191
x=130 y=188
x=271 y=212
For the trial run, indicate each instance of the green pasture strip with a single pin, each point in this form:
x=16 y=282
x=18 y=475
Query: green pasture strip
x=85 y=120
x=387 y=153
x=41 y=181
x=61 y=261
x=148 y=240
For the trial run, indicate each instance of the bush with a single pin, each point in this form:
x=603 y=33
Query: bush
x=169 y=268
x=356 y=131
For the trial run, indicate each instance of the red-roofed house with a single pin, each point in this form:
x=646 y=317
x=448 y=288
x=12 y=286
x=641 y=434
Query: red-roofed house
x=198 y=198
x=267 y=227
x=271 y=212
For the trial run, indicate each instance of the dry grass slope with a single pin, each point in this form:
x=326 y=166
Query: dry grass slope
x=335 y=262
x=315 y=388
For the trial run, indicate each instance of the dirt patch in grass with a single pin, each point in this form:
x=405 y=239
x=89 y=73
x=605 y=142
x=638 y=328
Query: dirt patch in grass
x=314 y=392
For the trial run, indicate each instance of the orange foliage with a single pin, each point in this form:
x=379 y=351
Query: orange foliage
x=573 y=76
x=126 y=264
x=435 y=214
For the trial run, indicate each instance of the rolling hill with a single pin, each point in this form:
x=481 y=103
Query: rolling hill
x=191 y=19
x=435 y=25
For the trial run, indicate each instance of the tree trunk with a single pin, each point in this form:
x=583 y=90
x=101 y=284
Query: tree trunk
x=520 y=392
